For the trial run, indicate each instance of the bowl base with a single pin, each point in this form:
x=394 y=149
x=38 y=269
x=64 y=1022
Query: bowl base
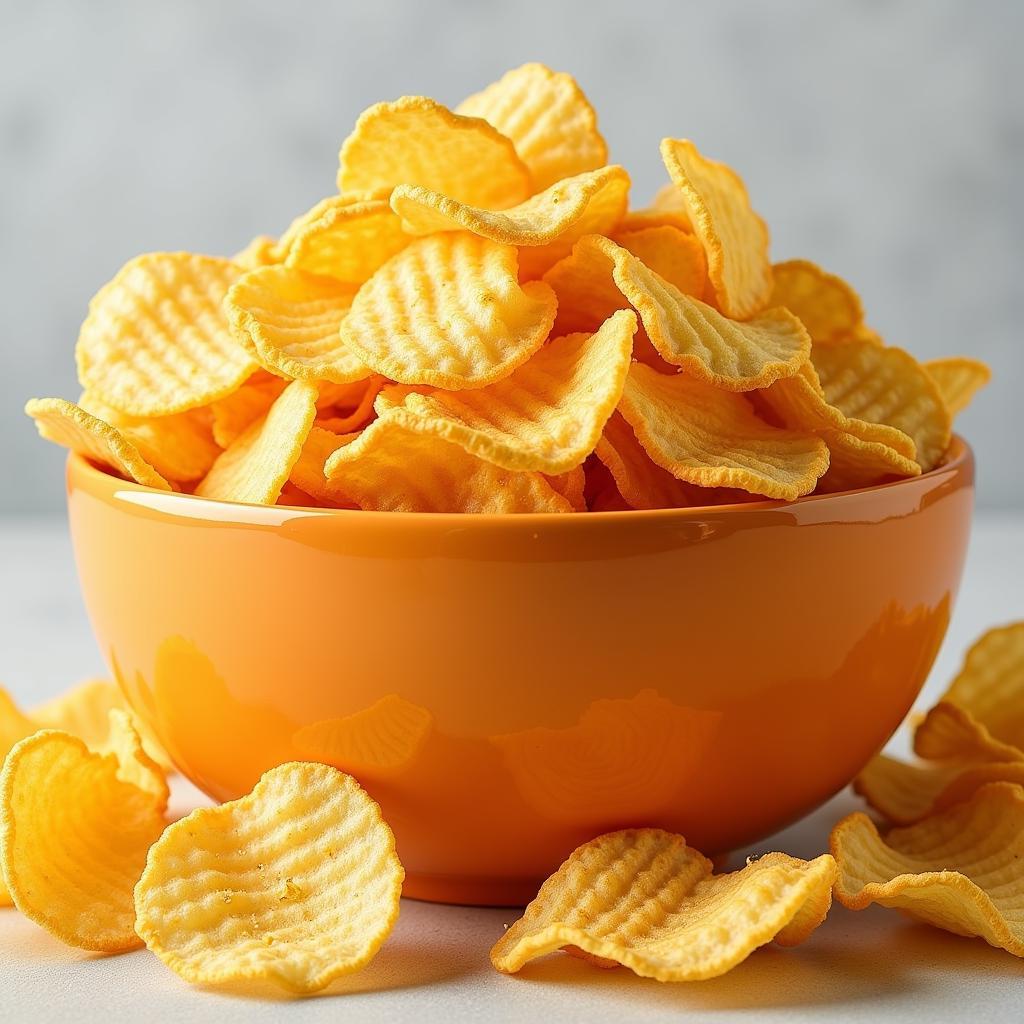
x=471 y=892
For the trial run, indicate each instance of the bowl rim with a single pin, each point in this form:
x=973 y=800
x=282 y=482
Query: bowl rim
x=959 y=456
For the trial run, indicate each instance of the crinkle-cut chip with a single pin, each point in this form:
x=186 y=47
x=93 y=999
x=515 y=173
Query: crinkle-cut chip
x=297 y=883
x=825 y=304
x=644 y=899
x=959 y=379
x=734 y=237
x=449 y=311
x=417 y=141
x=14 y=724
x=392 y=396
x=585 y=287
x=262 y=251
x=950 y=731
x=74 y=831
x=961 y=869
x=343 y=396
x=180 y=447
x=308 y=471
x=546 y=416
x=256 y=466
x=547 y=117
x=380 y=741
x=235 y=413
x=855 y=463
x=156 y=341
x=389 y=468
x=293 y=497
x=343 y=418
x=670 y=200
x=672 y=254
x=346 y=237
x=289 y=320
x=712 y=438
x=70 y=426
x=882 y=384
x=657 y=217
x=599 y=491
x=570 y=485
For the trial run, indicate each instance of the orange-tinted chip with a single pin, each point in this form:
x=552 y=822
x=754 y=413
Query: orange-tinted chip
x=672 y=254
x=308 y=471
x=826 y=305
x=856 y=463
x=344 y=417
x=571 y=485
x=959 y=379
x=233 y=413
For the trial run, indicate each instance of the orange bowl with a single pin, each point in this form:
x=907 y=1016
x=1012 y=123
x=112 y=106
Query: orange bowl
x=508 y=687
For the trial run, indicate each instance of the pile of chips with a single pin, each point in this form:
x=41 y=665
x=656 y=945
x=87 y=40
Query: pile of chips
x=478 y=322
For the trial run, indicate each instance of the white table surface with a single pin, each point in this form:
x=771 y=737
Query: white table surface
x=869 y=966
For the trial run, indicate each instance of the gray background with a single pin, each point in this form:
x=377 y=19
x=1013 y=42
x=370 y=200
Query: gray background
x=883 y=140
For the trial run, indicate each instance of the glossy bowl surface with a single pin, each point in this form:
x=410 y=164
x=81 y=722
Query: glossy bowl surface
x=508 y=687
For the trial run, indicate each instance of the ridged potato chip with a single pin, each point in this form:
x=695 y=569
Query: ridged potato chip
x=672 y=254
x=417 y=141
x=256 y=466
x=547 y=415
x=668 y=210
x=571 y=485
x=959 y=379
x=15 y=725
x=547 y=117
x=69 y=425
x=297 y=883
x=262 y=251
x=234 y=413
x=855 y=463
x=156 y=341
x=289 y=321
x=734 y=237
x=961 y=870
x=389 y=468
x=825 y=304
x=308 y=471
x=882 y=384
x=75 y=827
x=712 y=438
x=343 y=418
x=83 y=711
x=449 y=311
x=643 y=899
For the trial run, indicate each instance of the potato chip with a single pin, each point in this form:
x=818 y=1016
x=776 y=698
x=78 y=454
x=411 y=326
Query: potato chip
x=449 y=311
x=83 y=711
x=234 y=413
x=256 y=466
x=672 y=214
x=350 y=417
x=571 y=486
x=734 y=237
x=308 y=471
x=14 y=724
x=712 y=438
x=262 y=251
x=289 y=321
x=644 y=899
x=417 y=141
x=75 y=827
x=672 y=254
x=156 y=341
x=882 y=384
x=547 y=116
x=961 y=870
x=959 y=379
x=547 y=415
x=825 y=304
x=297 y=883
x=69 y=425
x=389 y=468
x=856 y=463
x=345 y=237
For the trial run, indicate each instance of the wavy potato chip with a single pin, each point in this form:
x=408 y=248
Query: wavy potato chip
x=417 y=141
x=343 y=417
x=75 y=827
x=825 y=304
x=449 y=311
x=959 y=379
x=547 y=415
x=234 y=413
x=308 y=471
x=262 y=251
x=672 y=254
x=668 y=210
x=289 y=320
x=390 y=468
x=643 y=899
x=256 y=466
x=83 y=711
x=961 y=870
x=297 y=883
x=156 y=341
x=547 y=117
x=734 y=237
x=855 y=463
x=15 y=725
x=571 y=485
x=712 y=438
x=70 y=426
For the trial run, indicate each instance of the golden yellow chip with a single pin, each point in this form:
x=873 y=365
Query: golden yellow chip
x=345 y=237
x=547 y=415
x=882 y=384
x=449 y=311
x=417 y=141
x=156 y=341
x=75 y=827
x=950 y=731
x=672 y=254
x=734 y=237
x=297 y=883
x=571 y=485
x=256 y=466
x=83 y=711
x=389 y=468
x=547 y=116
x=644 y=899
x=234 y=413
x=826 y=305
x=344 y=416
x=961 y=870
x=308 y=471
x=959 y=379
x=289 y=320
x=15 y=725
x=712 y=438
x=857 y=463
x=672 y=213
x=262 y=251
x=69 y=425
